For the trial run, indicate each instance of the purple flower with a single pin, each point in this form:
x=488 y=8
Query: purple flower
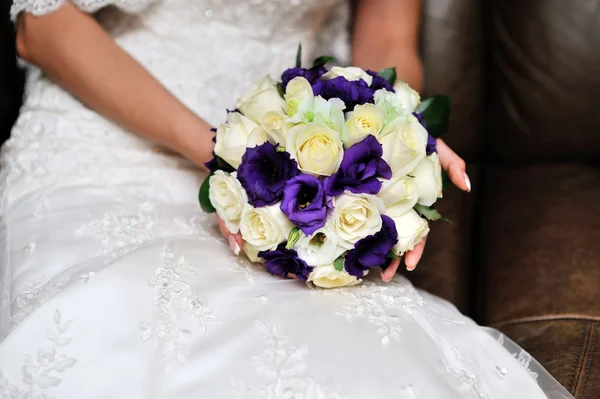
x=360 y=169
x=304 y=203
x=217 y=163
x=264 y=172
x=284 y=261
x=372 y=251
x=352 y=93
x=313 y=75
x=379 y=82
x=431 y=145
x=431 y=141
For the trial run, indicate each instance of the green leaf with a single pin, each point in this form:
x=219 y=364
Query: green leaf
x=223 y=165
x=293 y=238
x=435 y=111
x=428 y=213
x=391 y=255
x=388 y=74
x=446 y=182
x=339 y=264
x=323 y=60
x=280 y=89
x=203 y=196
x=299 y=56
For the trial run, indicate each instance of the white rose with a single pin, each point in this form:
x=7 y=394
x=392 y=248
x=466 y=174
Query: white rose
x=409 y=98
x=228 y=197
x=355 y=216
x=235 y=136
x=327 y=276
x=412 y=229
x=252 y=253
x=350 y=73
x=399 y=195
x=404 y=144
x=317 y=109
x=317 y=148
x=261 y=98
x=274 y=123
x=401 y=103
x=364 y=120
x=297 y=91
x=264 y=228
x=428 y=177
x=320 y=248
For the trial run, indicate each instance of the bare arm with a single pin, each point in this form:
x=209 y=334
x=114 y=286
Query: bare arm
x=73 y=49
x=386 y=34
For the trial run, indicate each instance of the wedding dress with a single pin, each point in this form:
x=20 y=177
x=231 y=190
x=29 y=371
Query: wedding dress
x=114 y=284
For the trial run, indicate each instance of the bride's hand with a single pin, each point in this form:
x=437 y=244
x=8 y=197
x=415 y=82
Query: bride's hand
x=235 y=240
x=455 y=167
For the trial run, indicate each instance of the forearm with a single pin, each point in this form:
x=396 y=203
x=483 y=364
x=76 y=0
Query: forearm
x=386 y=34
x=77 y=53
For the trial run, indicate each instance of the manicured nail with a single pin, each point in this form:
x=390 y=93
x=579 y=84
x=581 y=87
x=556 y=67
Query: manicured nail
x=410 y=268
x=235 y=247
x=468 y=182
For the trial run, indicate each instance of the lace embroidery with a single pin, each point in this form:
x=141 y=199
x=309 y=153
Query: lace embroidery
x=175 y=301
x=118 y=231
x=281 y=366
x=41 y=7
x=45 y=370
x=523 y=358
x=464 y=373
x=35 y=294
x=381 y=305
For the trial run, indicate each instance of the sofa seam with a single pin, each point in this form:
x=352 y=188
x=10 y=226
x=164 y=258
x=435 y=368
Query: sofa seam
x=538 y=319
x=573 y=374
x=591 y=356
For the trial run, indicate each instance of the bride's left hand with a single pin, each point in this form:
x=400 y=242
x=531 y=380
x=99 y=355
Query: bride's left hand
x=235 y=240
x=455 y=167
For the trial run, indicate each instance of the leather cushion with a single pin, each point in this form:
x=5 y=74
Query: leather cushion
x=543 y=242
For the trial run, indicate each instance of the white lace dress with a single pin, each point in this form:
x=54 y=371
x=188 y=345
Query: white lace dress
x=114 y=284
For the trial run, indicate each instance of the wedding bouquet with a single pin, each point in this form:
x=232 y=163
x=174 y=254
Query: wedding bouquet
x=328 y=173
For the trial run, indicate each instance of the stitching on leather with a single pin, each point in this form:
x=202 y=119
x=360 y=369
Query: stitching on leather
x=535 y=319
x=573 y=374
x=589 y=363
x=581 y=375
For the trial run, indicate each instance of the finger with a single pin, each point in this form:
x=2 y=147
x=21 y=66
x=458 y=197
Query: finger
x=222 y=228
x=389 y=273
x=453 y=165
x=239 y=241
x=413 y=257
x=235 y=240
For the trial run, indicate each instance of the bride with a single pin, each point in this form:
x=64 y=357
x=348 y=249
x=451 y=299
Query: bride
x=115 y=285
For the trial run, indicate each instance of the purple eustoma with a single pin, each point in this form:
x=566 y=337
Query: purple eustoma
x=431 y=141
x=264 y=172
x=360 y=171
x=431 y=145
x=372 y=251
x=352 y=93
x=284 y=261
x=304 y=203
x=379 y=82
x=313 y=75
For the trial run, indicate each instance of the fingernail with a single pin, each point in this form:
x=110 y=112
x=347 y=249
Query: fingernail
x=468 y=182
x=410 y=268
x=234 y=245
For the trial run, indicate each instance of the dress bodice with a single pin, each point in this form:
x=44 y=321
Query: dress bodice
x=205 y=52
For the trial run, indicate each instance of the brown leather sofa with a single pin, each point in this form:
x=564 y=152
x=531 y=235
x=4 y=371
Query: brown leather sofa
x=523 y=251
